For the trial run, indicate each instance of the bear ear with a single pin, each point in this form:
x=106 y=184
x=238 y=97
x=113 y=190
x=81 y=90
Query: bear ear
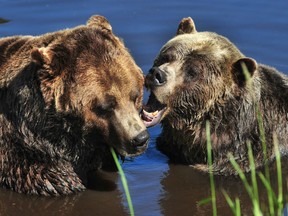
x=242 y=69
x=41 y=55
x=99 y=22
x=186 y=26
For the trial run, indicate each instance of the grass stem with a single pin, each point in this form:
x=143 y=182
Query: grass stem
x=209 y=155
x=124 y=181
x=279 y=174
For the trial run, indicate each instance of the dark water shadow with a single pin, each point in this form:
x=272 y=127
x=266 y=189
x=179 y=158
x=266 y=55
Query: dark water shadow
x=185 y=187
x=259 y=30
x=102 y=181
x=105 y=201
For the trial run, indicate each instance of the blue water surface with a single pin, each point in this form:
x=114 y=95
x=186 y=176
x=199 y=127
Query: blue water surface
x=259 y=28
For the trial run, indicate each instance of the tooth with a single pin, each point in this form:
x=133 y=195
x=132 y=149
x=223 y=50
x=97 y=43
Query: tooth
x=155 y=113
x=147 y=113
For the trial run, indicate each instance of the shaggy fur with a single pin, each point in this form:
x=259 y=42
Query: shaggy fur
x=65 y=98
x=197 y=77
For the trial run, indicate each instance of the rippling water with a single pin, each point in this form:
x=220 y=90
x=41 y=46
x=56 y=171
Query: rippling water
x=258 y=28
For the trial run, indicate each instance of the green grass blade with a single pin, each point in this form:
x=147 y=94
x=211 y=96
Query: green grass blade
x=265 y=159
x=124 y=181
x=246 y=75
x=249 y=189
x=238 y=207
x=279 y=174
x=235 y=207
x=209 y=155
x=204 y=201
x=253 y=172
x=241 y=175
x=262 y=135
x=231 y=204
x=268 y=187
x=256 y=204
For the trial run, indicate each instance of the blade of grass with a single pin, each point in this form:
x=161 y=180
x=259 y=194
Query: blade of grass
x=235 y=207
x=268 y=187
x=204 y=201
x=262 y=135
x=238 y=207
x=279 y=174
x=256 y=204
x=124 y=181
x=209 y=155
x=253 y=172
x=241 y=175
x=265 y=159
x=249 y=189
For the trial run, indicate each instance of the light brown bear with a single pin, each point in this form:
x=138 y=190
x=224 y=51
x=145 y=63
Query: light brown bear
x=66 y=98
x=197 y=77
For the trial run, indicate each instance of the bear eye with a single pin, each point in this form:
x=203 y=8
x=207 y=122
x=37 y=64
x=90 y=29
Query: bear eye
x=135 y=97
x=192 y=72
x=104 y=108
x=99 y=111
x=164 y=58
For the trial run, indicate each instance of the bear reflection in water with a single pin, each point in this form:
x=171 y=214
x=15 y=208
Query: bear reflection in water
x=185 y=188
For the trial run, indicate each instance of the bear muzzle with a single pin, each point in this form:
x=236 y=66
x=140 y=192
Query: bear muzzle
x=141 y=139
x=135 y=146
x=155 y=77
x=129 y=135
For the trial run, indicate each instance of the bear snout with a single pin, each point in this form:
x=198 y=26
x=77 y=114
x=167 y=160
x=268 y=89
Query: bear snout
x=141 y=139
x=133 y=147
x=155 y=77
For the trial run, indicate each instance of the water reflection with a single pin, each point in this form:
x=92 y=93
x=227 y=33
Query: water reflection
x=106 y=201
x=185 y=187
x=258 y=28
x=144 y=179
x=18 y=204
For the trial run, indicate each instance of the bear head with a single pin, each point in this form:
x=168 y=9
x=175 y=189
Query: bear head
x=87 y=73
x=193 y=72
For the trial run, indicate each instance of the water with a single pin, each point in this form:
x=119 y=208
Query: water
x=259 y=28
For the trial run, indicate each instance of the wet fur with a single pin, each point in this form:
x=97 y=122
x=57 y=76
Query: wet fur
x=214 y=89
x=50 y=135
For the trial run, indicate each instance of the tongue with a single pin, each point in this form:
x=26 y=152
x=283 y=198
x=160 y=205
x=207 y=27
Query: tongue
x=151 y=119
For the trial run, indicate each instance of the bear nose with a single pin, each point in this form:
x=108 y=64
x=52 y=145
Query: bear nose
x=141 y=139
x=155 y=77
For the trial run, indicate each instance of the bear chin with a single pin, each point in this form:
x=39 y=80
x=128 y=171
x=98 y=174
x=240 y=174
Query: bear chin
x=132 y=152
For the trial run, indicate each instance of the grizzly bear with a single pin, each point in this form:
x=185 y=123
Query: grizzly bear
x=197 y=77
x=66 y=98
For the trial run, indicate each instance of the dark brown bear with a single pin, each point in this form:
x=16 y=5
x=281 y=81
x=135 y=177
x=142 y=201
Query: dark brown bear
x=198 y=77
x=66 y=98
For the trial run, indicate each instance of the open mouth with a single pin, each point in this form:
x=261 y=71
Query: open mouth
x=152 y=112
